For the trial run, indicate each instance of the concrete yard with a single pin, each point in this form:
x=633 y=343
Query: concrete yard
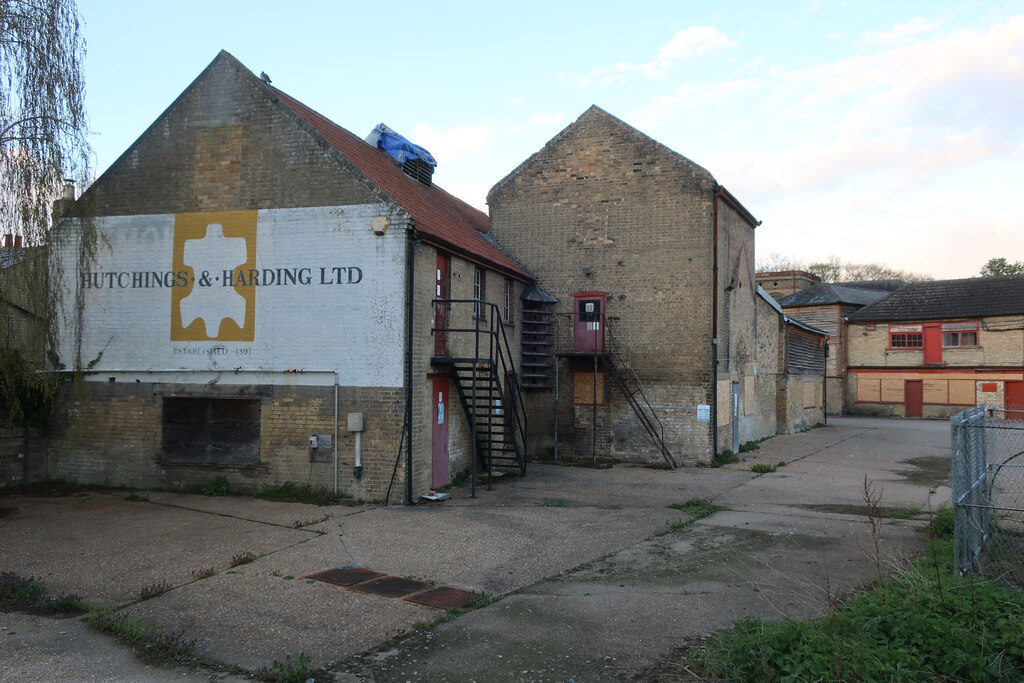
x=596 y=576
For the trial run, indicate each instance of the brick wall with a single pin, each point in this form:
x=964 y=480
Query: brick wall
x=603 y=207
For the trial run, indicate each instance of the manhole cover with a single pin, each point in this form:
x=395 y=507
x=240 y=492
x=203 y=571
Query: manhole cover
x=345 y=577
x=444 y=597
x=391 y=586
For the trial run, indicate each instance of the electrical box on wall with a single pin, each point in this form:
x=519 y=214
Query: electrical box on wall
x=356 y=422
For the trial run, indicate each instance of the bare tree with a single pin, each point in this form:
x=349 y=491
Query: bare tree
x=835 y=269
x=43 y=130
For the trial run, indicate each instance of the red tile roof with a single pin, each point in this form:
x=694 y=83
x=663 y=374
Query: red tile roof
x=442 y=218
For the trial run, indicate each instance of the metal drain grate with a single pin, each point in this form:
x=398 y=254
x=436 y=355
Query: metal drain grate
x=345 y=577
x=391 y=586
x=444 y=597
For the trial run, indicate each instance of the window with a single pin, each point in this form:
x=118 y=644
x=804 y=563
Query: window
x=906 y=337
x=509 y=288
x=959 y=334
x=211 y=431
x=478 y=293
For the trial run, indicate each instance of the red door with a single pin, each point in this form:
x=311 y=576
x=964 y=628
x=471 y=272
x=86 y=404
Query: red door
x=933 y=343
x=913 y=397
x=439 y=461
x=441 y=310
x=1014 y=400
x=588 y=322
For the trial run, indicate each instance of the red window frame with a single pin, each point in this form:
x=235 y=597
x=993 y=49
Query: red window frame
x=906 y=337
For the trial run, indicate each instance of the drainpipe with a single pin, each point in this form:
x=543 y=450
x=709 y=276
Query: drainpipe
x=714 y=331
x=410 y=273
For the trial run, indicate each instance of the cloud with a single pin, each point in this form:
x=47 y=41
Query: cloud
x=460 y=141
x=900 y=33
x=516 y=101
x=696 y=40
x=547 y=119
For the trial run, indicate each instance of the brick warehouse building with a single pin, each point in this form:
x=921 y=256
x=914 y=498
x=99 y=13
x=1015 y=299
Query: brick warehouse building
x=262 y=306
x=651 y=262
x=935 y=348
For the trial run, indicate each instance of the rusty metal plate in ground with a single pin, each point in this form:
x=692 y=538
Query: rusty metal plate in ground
x=391 y=586
x=444 y=597
x=346 y=576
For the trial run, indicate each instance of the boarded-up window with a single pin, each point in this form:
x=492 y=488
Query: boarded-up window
x=989 y=387
x=212 y=431
x=961 y=392
x=869 y=390
x=936 y=391
x=810 y=394
x=749 y=392
x=892 y=390
x=583 y=388
x=724 y=402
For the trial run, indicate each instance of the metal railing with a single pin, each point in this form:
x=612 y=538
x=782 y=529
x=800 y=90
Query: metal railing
x=488 y=333
x=988 y=492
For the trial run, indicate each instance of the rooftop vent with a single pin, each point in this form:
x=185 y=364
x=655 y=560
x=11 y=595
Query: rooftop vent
x=415 y=161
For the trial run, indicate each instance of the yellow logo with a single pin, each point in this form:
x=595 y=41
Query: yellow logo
x=217 y=253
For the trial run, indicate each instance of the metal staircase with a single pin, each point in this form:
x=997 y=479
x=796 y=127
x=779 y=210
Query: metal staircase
x=629 y=384
x=488 y=387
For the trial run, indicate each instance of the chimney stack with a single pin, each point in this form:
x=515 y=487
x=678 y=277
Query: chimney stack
x=17 y=241
x=9 y=240
x=63 y=205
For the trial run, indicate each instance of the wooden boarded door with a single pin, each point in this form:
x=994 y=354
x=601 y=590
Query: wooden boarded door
x=439 y=438
x=933 y=343
x=913 y=397
x=1014 y=400
x=441 y=309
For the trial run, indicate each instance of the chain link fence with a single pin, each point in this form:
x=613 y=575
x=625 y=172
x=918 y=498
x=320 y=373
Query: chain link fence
x=988 y=492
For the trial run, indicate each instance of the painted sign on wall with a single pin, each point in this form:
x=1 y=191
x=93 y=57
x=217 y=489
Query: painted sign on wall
x=278 y=290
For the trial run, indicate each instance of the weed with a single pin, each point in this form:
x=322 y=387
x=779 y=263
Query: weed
x=200 y=574
x=300 y=523
x=943 y=523
x=459 y=479
x=242 y=558
x=762 y=468
x=218 y=487
x=670 y=527
x=553 y=503
x=29 y=595
x=482 y=601
x=724 y=458
x=289 y=492
x=754 y=445
x=296 y=669
x=155 y=642
x=697 y=508
x=782 y=463
x=154 y=590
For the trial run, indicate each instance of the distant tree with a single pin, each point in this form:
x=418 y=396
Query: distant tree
x=835 y=269
x=42 y=141
x=1000 y=266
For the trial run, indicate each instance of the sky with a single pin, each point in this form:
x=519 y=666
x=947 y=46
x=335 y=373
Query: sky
x=887 y=132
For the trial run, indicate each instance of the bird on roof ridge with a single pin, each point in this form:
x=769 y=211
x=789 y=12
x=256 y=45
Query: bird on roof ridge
x=265 y=77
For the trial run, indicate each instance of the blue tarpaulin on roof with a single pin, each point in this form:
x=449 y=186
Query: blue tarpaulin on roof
x=400 y=149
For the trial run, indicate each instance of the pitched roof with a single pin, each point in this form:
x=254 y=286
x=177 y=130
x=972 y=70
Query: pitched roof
x=948 y=299
x=443 y=218
x=824 y=293
x=594 y=114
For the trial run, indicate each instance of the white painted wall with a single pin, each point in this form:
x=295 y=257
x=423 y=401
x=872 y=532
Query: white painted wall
x=343 y=312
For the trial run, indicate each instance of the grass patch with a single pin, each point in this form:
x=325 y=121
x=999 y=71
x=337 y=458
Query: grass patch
x=289 y=492
x=153 y=643
x=926 y=623
x=726 y=457
x=902 y=513
x=553 y=503
x=201 y=574
x=29 y=595
x=697 y=508
x=763 y=468
x=754 y=445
